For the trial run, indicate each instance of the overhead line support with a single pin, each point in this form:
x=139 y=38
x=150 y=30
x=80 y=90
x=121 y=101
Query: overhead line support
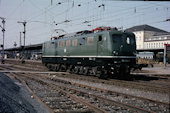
x=24 y=32
x=3 y=31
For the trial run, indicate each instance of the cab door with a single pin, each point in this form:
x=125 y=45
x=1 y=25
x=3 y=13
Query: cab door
x=53 y=48
x=100 y=45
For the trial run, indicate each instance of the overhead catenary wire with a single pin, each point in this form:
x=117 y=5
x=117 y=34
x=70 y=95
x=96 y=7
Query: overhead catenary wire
x=13 y=11
x=85 y=17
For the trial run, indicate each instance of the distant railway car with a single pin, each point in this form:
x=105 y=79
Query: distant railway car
x=160 y=57
x=100 y=52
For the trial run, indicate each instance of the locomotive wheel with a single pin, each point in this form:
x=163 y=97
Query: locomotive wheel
x=104 y=74
x=2 y=61
x=71 y=69
x=63 y=67
x=96 y=71
x=81 y=70
x=57 y=67
x=53 y=67
x=86 y=70
x=76 y=70
x=49 y=67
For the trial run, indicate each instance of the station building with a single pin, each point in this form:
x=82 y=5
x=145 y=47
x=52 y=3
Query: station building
x=157 y=41
x=32 y=52
x=149 y=39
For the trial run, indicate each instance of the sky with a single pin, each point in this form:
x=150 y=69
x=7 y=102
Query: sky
x=47 y=18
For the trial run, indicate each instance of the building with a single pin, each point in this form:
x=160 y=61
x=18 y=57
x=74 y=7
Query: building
x=148 y=37
x=28 y=52
x=145 y=55
x=157 y=41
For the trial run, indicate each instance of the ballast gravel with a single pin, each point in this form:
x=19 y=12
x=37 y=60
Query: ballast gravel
x=141 y=93
x=14 y=98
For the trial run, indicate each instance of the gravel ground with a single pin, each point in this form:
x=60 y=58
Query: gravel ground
x=159 y=69
x=146 y=94
x=14 y=98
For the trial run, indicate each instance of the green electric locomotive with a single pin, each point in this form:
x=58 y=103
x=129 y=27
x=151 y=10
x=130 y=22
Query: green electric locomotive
x=101 y=52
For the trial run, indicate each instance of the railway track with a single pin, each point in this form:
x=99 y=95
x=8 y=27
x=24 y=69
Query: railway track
x=56 y=100
x=93 y=88
x=154 y=87
x=99 y=97
x=162 y=87
x=147 y=105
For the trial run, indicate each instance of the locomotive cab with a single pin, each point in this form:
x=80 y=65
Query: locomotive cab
x=123 y=44
x=123 y=51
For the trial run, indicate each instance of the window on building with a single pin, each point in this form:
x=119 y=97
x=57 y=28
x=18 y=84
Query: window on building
x=139 y=46
x=139 y=38
x=151 y=45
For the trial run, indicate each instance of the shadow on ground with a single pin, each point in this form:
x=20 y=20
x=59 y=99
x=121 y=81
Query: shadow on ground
x=138 y=78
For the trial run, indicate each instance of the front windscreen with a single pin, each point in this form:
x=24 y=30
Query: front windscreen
x=117 y=38
x=123 y=38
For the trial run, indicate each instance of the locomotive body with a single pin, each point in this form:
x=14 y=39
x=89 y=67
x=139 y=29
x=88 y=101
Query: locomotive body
x=102 y=53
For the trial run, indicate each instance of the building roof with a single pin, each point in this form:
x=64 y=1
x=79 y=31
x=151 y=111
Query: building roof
x=144 y=28
x=28 y=47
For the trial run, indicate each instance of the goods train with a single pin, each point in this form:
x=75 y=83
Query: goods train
x=102 y=52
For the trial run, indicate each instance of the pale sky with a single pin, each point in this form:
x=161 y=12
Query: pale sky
x=76 y=15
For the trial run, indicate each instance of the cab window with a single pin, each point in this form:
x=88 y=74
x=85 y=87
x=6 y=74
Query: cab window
x=100 y=38
x=130 y=40
x=117 y=38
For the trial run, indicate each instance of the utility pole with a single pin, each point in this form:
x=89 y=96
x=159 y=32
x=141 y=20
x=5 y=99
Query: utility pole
x=24 y=32
x=3 y=30
x=165 y=46
x=20 y=39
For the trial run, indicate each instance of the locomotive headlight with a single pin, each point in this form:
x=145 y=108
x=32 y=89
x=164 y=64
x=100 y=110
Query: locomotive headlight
x=115 y=52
